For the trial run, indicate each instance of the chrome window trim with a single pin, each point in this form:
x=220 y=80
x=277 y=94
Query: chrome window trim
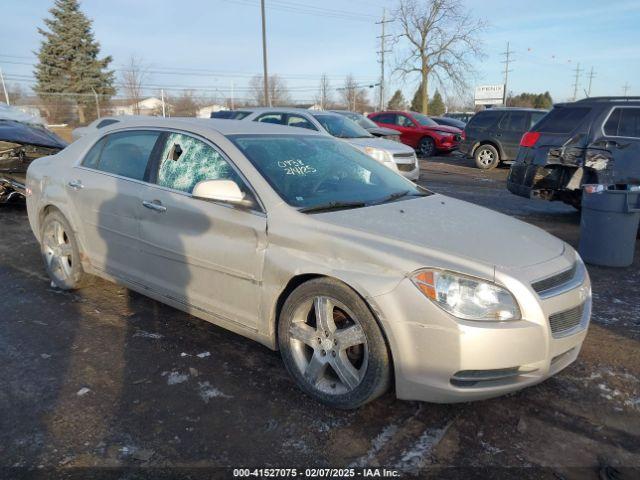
x=262 y=210
x=605 y=134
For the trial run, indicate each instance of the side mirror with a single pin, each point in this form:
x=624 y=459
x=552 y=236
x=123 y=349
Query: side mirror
x=221 y=190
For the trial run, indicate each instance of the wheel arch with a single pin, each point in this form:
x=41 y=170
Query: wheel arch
x=493 y=143
x=297 y=280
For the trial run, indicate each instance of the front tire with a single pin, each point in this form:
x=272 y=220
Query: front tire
x=427 y=147
x=332 y=345
x=486 y=157
x=61 y=254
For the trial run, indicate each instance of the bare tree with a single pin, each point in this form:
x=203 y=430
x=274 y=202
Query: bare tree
x=278 y=92
x=133 y=77
x=324 y=92
x=185 y=105
x=442 y=39
x=354 y=95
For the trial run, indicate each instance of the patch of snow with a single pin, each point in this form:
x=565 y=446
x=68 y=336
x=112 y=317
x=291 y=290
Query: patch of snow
x=203 y=355
x=416 y=456
x=377 y=444
x=176 y=377
x=207 y=392
x=83 y=391
x=145 y=334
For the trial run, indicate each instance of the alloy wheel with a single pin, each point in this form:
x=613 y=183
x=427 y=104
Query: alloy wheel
x=486 y=157
x=329 y=346
x=57 y=250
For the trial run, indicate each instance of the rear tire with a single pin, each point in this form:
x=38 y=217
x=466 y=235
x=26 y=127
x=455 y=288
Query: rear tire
x=61 y=254
x=486 y=157
x=338 y=356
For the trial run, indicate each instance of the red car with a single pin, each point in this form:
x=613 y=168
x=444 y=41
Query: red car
x=419 y=131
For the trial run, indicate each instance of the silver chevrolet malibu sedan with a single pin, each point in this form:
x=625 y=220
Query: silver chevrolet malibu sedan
x=302 y=242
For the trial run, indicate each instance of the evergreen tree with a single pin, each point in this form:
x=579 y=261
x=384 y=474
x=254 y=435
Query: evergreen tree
x=68 y=61
x=416 y=103
x=436 y=105
x=397 y=101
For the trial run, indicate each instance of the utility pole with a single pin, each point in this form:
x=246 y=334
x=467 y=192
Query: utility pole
x=506 y=62
x=162 y=99
x=625 y=88
x=382 y=51
x=591 y=75
x=95 y=95
x=232 y=95
x=267 y=100
x=4 y=88
x=576 y=83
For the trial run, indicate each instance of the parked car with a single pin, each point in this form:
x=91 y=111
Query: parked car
x=22 y=140
x=307 y=245
x=78 y=132
x=493 y=136
x=419 y=131
x=394 y=155
x=230 y=114
x=595 y=140
x=462 y=116
x=450 y=122
x=370 y=126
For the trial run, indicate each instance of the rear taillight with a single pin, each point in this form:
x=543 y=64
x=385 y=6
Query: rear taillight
x=529 y=139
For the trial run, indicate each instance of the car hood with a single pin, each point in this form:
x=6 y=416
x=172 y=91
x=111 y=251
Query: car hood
x=12 y=131
x=382 y=131
x=440 y=224
x=376 y=142
x=444 y=129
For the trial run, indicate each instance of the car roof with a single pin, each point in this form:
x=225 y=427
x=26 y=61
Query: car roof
x=222 y=126
x=513 y=109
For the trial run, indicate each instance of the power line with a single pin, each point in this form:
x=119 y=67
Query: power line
x=291 y=7
x=506 y=62
x=576 y=83
x=625 y=88
x=382 y=51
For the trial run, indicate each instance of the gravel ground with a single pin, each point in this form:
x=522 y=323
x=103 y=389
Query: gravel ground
x=104 y=377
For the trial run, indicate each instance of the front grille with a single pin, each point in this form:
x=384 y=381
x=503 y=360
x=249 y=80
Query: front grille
x=404 y=155
x=554 y=281
x=406 y=167
x=563 y=322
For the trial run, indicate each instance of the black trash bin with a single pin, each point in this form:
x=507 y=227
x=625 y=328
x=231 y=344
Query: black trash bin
x=608 y=226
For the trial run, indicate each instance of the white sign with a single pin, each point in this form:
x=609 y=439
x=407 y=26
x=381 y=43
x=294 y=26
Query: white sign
x=489 y=94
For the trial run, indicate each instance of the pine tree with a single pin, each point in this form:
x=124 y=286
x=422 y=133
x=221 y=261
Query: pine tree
x=416 y=102
x=436 y=105
x=397 y=101
x=68 y=61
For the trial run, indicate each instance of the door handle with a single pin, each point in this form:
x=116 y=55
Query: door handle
x=156 y=206
x=76 y=184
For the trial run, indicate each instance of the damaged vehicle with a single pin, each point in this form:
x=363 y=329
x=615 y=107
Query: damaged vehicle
x=360 y=278
x=595 y=140
x=22 y=139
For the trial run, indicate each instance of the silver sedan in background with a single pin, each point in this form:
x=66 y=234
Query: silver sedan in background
x=302 y=242
x=395 y=155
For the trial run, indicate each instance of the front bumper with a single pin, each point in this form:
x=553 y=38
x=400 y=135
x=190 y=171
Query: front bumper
x=436 y=356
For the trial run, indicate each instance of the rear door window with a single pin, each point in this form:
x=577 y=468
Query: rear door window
x=536 y=117
x=514 y=122
x=623 y=122
x=484 y=119
x=389 y=118
x=563 y=119
x=125 y=153
x=299 y=121
x=276 y=118
x=404 y=121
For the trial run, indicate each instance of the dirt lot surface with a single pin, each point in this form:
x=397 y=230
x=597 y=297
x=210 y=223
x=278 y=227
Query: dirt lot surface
x=106 y=377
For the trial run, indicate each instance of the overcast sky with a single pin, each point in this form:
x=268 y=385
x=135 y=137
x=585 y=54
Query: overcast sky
x=212 y=43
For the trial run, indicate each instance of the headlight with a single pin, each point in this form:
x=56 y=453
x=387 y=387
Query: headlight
x=467 y=298
x=378 y=154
